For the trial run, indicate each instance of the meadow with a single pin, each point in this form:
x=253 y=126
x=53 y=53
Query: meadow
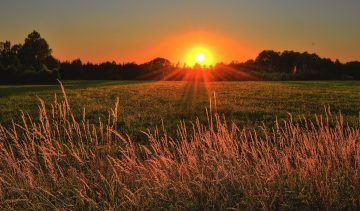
x=144 y=105
x=180 y=145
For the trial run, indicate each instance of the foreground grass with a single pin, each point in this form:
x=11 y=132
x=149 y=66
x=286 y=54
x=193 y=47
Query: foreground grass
x=65 y=162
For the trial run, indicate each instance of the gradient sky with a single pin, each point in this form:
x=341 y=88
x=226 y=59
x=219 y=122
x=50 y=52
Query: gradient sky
x=139 y=30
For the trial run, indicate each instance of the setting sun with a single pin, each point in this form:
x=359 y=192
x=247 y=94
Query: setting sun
x=200 y=55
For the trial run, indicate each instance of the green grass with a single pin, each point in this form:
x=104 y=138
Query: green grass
x=144 y=104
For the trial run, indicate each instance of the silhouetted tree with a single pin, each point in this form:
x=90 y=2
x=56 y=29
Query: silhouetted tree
x=35 y=50
x=30 y=62
x=8 y=53
x=268 y=59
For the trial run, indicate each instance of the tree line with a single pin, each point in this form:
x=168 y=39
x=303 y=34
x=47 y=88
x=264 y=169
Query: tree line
x=32 y=62
x=304 y=66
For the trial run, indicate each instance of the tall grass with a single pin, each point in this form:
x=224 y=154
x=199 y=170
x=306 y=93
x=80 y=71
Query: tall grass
x=61 y=162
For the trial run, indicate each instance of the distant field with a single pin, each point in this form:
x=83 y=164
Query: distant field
x=144 y=104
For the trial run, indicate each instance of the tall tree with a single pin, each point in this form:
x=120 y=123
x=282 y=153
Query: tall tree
x=35 y=50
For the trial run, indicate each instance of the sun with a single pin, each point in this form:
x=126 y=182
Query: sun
x=200 y=56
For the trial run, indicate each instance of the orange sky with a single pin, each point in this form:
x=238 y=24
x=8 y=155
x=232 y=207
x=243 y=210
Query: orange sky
x=140 y=30
x=175 y=48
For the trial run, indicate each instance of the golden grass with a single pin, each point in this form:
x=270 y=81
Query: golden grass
x=61 y=162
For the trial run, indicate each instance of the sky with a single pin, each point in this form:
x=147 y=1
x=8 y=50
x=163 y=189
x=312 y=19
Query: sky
x=140 y=30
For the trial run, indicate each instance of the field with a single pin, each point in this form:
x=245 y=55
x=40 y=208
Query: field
x=144 y=105
x=180 y=145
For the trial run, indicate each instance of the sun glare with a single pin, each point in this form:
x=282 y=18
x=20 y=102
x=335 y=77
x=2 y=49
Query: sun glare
x=201 y=56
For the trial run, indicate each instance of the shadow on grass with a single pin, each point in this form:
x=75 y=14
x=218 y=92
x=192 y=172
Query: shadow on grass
x=8 y=90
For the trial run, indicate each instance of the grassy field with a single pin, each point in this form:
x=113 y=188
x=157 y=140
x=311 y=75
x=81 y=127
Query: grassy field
x=143 y=105
x=61 y=157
